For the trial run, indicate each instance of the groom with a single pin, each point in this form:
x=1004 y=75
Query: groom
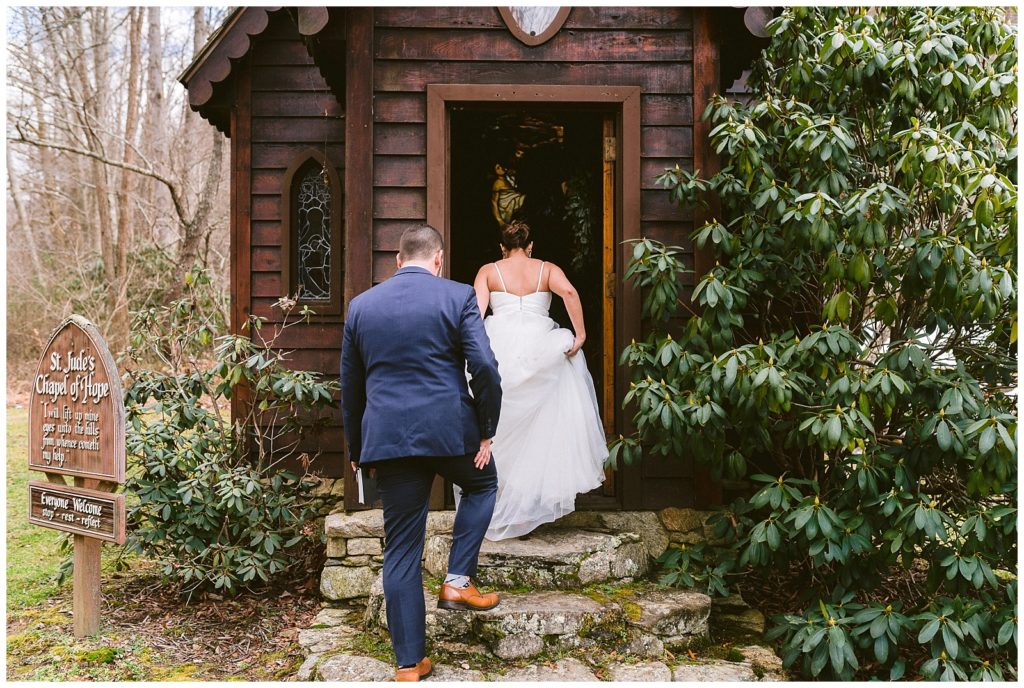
x=408 y=414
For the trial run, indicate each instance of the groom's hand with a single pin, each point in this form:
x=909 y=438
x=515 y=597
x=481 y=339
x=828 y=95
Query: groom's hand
x=484 y=455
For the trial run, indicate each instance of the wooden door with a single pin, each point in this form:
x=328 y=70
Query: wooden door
x=606 y=496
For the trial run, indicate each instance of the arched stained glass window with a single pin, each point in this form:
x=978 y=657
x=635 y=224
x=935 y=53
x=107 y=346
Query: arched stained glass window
x=313 y=209
x=311 y=259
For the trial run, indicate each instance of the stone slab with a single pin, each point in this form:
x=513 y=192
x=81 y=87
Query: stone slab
x=336 y=548
x=447 y=673
x=440 y=623
x=676 y=616
x=354 y=668
x=305 y=672
x=370 y=523
x=733 y=616
x=645 y=671
x=523 y=625
x=646 y=524
x=764 y=660
x=563 y=670
x=717 y=670
x=357 y=546
x=320 y=640
x=644 y=645
x=562 y=558
x=329 y=616
x=346 y=582
x=543 y=612
x=683 y=519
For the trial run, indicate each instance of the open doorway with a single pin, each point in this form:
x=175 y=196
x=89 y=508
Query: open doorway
x=545 y=167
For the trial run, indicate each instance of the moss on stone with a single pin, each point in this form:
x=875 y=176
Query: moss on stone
x=734 y=655
x=632 y=610
x=370 y=644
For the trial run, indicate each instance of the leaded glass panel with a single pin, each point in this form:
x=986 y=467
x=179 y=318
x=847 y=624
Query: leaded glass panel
x=313 y=242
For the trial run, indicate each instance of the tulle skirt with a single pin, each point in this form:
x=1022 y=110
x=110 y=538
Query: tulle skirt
x=550 y=443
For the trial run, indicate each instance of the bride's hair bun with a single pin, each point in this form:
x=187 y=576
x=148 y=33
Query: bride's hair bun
x=515 y=234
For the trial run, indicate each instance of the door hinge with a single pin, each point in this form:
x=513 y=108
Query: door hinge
x=609 y=285
x=611 y=145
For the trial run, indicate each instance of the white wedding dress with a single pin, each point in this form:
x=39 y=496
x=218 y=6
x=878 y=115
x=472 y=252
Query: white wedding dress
x=550 y=443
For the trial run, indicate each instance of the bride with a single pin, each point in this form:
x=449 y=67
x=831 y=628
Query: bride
x=550 y=443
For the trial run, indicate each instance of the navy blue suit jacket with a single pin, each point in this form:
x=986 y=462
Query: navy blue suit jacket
x=406 y=347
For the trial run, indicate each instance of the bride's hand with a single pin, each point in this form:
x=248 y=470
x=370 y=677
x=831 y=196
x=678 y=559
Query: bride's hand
x=577 y=344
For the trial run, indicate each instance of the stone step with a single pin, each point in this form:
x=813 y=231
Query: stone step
x=559 y=558
x=337 y=648
x=642 y=620
x=355 y=548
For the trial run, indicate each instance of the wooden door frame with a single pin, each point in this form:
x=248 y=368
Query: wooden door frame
x=625 y=101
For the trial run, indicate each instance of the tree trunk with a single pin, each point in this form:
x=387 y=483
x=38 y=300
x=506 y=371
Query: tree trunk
x=155 y=119
x=198 y=227
x=125 y=219
x=24 y=227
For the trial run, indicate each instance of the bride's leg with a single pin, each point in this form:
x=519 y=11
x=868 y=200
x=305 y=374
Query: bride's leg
x=479 y=488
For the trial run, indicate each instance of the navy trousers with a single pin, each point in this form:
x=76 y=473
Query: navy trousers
x=404 y=488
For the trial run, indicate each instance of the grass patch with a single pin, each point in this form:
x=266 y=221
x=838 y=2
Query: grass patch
x=148 y=631
x=32 y=556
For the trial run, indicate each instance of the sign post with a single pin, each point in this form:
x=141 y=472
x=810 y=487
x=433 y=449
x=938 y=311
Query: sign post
x=77 y=428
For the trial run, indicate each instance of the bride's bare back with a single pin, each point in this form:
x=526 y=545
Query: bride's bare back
x=519 y=274
x=522 y=276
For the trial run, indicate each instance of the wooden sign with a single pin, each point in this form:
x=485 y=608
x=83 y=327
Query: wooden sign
x=76 y=411
x=76 y=428
x=77 y=510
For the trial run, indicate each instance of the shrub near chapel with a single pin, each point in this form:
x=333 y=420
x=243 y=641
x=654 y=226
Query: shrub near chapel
x=212 y=512
x=855 y=357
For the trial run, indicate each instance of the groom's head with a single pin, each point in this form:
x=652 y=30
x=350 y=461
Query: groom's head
x=422 y=247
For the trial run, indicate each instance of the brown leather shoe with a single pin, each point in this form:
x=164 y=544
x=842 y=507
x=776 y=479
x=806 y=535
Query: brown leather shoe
x=466 y=598
x=422 y=670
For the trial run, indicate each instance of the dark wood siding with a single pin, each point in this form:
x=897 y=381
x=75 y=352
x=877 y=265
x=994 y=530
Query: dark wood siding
x=293 y=110
x=646 y=46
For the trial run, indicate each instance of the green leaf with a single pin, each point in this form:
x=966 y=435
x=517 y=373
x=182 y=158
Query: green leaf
x=1007 y=440
x=878 y=627
x=819 y=659
x=1006 y=632
x=825 y=523
x=942 y=436
x=928 y=631
x=834 y=430
x=836 y=641
x=950 y=641
x=881 y=648
x=988 y=440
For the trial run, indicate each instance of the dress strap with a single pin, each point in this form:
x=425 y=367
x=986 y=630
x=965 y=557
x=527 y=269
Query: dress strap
x=539 y=277
x=500 y=278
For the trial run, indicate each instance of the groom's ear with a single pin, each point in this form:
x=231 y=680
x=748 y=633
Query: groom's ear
x=398 y=260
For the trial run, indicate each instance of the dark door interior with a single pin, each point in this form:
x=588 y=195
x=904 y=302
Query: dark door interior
x=550 y=166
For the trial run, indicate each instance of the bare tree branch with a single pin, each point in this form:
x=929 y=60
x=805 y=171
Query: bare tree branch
x=170 y=185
